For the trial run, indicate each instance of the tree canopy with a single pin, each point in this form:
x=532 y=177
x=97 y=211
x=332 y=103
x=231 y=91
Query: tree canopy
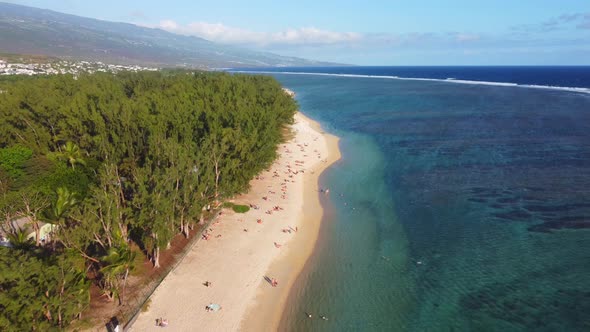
x=132 y=157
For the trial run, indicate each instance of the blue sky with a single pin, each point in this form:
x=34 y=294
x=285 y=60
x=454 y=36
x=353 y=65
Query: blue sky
x=418 y=32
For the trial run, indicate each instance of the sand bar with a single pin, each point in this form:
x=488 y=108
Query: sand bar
x=245 y=251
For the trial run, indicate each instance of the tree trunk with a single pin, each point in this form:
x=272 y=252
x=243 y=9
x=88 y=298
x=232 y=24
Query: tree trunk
x=48 y=314
x=106 y=226
x=183 y=226
x=124 y=231
x=110 y=296
x=157 y=257
x=61 y=292
x=217 y=174
x=124 y=285
x=186 y=230
x=121 y=203
x=37 y=233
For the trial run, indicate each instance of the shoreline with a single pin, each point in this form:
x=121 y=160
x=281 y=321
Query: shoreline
x=266 y=311
x=245 y=250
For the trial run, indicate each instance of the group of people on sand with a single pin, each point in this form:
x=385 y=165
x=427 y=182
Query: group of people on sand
x=290 y=229
x=213 y=307
x=162 y=322
x=274 y=209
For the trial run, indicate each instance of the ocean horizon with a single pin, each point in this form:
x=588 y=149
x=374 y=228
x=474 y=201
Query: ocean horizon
x=459 y=207
x=567 y=78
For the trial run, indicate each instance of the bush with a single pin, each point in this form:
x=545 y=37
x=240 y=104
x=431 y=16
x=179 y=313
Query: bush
x=241 y=208
x=146 y=306
x=236 y=207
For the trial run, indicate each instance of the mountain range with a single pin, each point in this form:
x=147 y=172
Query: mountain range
x=28 y=30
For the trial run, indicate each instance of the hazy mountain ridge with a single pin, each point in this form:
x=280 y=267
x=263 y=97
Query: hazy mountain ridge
x=31 y=30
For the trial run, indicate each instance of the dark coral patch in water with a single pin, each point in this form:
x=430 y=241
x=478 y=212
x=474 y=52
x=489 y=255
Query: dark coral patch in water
x=513 y=215
x=528 y=309
x=562 y=223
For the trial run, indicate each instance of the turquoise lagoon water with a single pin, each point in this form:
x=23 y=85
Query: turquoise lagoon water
x=455 y=207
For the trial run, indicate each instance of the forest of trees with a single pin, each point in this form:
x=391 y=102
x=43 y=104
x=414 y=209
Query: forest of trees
x=118 y=162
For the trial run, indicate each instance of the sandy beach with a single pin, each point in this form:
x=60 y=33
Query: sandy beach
x=245 y=252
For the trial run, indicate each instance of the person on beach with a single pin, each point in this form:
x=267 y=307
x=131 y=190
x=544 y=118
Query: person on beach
x=163 y=322
x=274 y=282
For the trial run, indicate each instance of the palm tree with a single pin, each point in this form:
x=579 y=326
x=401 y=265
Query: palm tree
x=19 y=240
x=71 y=153
x=119 y=262
x=65 y=200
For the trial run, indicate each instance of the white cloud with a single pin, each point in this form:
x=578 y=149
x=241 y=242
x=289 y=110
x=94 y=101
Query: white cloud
x=168 y=25
x=219 y=32
x=313 y=37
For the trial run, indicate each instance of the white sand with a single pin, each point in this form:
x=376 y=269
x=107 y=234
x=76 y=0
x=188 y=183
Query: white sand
x=236 y=261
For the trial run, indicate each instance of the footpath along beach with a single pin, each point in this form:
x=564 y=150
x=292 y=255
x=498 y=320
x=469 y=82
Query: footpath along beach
x=243 y=253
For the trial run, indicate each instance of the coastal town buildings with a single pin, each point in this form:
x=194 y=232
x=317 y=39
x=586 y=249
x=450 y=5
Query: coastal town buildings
x=65 y=67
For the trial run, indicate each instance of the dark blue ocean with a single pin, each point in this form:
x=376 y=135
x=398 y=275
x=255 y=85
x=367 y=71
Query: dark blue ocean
x=455 y=207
